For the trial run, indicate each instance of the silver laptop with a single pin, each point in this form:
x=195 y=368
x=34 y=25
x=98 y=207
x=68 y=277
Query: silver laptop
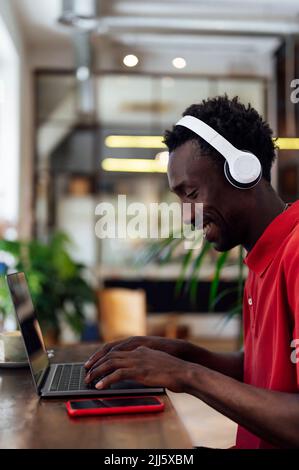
x=56 y=380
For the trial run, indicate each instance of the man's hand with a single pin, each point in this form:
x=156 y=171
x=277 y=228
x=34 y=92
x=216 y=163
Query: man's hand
x=147 y=366
x=173 y=347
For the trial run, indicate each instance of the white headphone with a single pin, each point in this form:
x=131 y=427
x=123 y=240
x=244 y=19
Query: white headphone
x=242 y=169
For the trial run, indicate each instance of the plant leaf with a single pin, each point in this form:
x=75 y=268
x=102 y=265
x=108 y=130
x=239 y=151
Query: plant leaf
x=186 y=262
x=223 y=294
x=192 y=284
x=215 y=283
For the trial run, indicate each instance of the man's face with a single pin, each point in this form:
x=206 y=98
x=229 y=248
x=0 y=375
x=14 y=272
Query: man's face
x=196 y=178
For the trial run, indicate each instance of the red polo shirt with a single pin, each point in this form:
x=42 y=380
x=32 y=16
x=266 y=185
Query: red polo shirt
x=271 y=312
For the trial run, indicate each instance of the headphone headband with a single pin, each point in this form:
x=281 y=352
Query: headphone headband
x=210 y=135
x=242 y=169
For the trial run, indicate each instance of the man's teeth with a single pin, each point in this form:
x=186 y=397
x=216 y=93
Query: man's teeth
x=206 y=228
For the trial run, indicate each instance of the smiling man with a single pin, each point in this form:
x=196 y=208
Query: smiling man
x=257 y=388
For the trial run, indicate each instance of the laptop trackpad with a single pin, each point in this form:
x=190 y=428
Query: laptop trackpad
x=127 y=384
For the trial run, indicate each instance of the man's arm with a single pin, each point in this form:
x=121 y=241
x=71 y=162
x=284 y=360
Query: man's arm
x=273 y=416
x=230 y=364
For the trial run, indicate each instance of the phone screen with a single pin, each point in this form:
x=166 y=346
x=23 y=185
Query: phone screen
x=112 y=403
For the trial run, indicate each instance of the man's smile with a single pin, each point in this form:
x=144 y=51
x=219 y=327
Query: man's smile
x=210 y=231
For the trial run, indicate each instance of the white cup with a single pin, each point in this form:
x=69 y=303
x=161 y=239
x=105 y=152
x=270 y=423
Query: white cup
x=13 y=349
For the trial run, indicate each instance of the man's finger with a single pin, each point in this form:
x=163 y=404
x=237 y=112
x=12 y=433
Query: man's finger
x=118 y=349
x=105 y=368
x=110 y=355
x=100 y=353
x=116 y=376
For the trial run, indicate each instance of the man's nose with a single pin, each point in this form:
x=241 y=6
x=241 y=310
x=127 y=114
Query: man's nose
x=188 y=213
x=193 y=216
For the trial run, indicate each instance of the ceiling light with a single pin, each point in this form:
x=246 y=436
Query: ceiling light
x=130 y=60
x=179 y=63
x=134 y=141
x=83 y=74
x=287 y=143
x=156 y=142
x=134 y=165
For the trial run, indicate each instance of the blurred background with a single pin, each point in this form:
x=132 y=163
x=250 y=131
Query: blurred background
x=86 y=88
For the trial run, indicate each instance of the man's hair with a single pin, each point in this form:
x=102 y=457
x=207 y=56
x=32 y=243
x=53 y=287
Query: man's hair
x=240 y=125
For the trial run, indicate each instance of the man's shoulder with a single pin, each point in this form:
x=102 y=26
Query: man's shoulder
x=292 y=242
x=290 y=253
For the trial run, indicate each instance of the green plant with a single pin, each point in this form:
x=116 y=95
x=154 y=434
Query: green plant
x=5 y=302
x=191 y=263
x=57 y=285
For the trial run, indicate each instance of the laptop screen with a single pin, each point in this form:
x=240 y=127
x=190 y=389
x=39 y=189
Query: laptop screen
x=29 y=325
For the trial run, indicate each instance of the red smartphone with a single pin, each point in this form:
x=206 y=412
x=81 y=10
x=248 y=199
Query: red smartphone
x=114 y=405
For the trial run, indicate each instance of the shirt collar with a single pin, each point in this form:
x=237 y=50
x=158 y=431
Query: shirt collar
x=261 y=255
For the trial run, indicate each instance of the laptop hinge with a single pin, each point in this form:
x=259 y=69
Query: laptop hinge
x=43 y=380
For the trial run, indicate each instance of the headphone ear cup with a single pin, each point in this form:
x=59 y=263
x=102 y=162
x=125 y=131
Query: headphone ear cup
x=236 y=183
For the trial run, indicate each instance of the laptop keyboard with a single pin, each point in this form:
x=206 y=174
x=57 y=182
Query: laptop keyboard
x=69 y=377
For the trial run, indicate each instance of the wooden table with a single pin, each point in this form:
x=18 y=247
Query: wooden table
x=28 y=422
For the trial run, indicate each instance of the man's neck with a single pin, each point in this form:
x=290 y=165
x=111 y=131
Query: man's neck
x=268 y=207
